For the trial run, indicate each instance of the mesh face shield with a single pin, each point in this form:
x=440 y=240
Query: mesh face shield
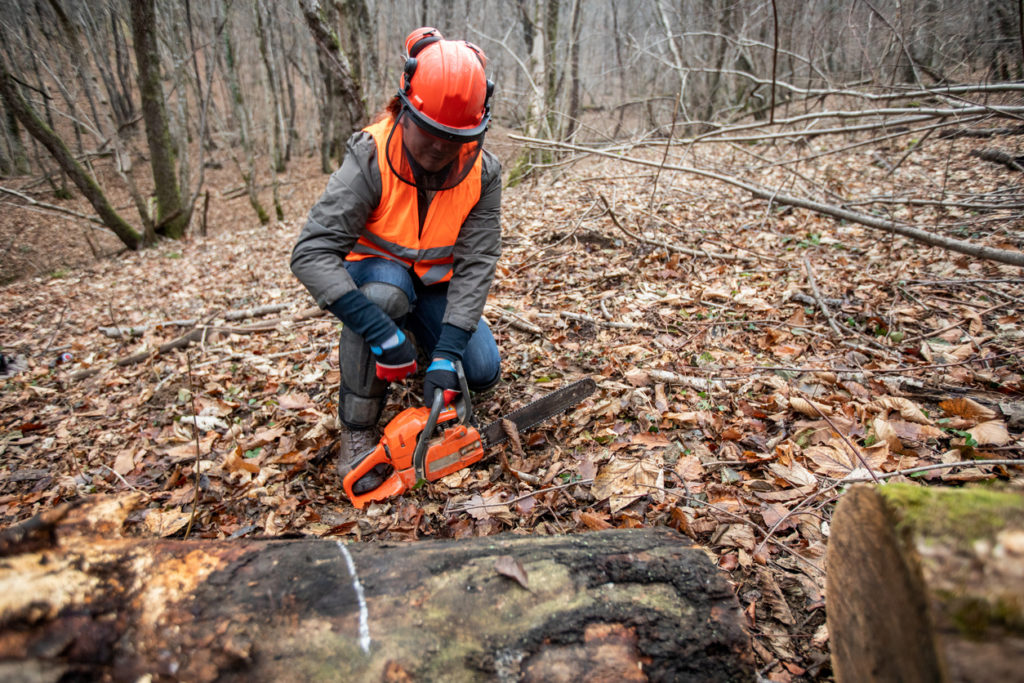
x=415 y=154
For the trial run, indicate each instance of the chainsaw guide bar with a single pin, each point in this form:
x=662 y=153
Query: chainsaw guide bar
x=532 y=414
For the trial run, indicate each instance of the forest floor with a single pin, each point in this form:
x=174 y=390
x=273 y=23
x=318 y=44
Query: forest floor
x=752 y=362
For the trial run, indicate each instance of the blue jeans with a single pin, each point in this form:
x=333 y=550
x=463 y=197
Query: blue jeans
x=481 y=360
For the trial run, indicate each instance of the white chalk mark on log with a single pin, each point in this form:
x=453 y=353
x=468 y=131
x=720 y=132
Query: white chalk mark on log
x=364 y=613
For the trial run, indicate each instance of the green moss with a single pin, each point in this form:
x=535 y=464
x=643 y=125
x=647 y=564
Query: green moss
x=975 y=617
x=522 y=168
x=965 y=514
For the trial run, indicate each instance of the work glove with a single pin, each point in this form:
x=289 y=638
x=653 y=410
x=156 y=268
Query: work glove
x=441 y=375
x=396 y=358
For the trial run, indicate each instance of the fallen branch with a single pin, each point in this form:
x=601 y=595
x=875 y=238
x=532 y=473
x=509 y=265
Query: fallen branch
x=646 y=377
x=594 y=321
x=819 y=298
x=120 y=332
x=1014 y=258
x=998 y=156
x=53 y=207
x=196 y=334
x=514 y=320
x=981 y=132
x=947 y=328
x=937 y=466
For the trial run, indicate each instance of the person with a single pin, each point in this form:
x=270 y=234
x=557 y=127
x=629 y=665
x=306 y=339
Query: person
x=403 y=243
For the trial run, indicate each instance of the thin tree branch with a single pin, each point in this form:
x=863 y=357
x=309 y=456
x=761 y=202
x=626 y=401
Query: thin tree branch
x=775 y=59
x=52 y=207
x=1014 y=258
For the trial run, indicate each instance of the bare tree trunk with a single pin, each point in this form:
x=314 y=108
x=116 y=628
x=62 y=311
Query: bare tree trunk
x=172 y=214
x=344 y=110
x=552 y=9
x=62 y=191
x=276 y=115
x=242 y=119
x=38 y=129
x=18 y=156
x=573 y=115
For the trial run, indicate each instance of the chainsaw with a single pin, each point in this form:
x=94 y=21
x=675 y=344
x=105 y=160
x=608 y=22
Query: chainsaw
x=414 y=453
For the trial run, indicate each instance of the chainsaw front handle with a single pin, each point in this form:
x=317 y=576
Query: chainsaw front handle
x=428 y=430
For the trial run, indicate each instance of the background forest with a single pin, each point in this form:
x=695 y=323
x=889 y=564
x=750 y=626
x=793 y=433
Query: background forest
x=108 y=97
x=784 y=237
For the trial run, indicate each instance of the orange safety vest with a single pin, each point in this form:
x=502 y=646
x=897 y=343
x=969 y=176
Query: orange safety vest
x=393 y=228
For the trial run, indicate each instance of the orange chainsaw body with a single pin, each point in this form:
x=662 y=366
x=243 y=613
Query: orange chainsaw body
x=458 y=445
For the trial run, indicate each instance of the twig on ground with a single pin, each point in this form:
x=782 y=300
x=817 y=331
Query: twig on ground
x=667 y=245
x=118 y=475
x=947 y=328
x=531 y=494
x=514 y=320
x=937 y=466
x=195 y=432
x=602 y=323
x=819 y=298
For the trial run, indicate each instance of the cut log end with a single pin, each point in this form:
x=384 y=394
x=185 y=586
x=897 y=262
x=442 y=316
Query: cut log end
x=926 y=584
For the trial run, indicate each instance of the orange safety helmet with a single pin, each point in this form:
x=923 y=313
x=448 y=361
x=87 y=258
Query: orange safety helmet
x=444 y=87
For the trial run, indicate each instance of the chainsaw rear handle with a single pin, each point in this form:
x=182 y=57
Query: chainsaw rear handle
x=406 y=446
x=395 y=485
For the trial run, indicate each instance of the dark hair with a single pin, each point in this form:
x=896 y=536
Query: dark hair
x=391 y=111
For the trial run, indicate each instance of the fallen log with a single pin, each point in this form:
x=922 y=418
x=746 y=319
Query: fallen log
x=926 y=584
x=998 y=156
x=623 y=605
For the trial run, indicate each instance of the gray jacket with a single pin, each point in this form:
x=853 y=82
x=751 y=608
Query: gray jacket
x=339 y=216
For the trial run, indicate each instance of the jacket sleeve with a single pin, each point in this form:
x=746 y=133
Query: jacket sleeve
x=476 y=251
x=335 y=222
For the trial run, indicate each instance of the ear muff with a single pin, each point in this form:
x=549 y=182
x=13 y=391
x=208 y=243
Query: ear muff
x=410 y=69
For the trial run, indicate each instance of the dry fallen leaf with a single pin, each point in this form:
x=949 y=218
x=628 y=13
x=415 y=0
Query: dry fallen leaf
x=125 y=461
x=837 y=461
x=234 y=462
x=991 y=433
x=809 y=408
x=624 y=480
x=885 y=432
x=965 y=407
x=166 y=522
x=904 y=406
x=594 y=521
x=506 y=565
x=294 y=402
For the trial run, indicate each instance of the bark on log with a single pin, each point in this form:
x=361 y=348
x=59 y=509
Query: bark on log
x=623 y=605
x=926 y=584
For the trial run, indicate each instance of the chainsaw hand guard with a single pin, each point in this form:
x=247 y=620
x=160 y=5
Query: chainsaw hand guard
x=394 y=485
x=458 y=446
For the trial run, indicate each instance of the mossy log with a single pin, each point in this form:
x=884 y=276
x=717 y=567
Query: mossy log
x=623 y=605
x=926 y=584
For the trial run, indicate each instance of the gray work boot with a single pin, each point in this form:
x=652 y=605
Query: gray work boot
x=353 y=446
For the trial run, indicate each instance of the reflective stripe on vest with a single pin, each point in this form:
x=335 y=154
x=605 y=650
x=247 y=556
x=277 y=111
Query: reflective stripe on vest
x=393 y=228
